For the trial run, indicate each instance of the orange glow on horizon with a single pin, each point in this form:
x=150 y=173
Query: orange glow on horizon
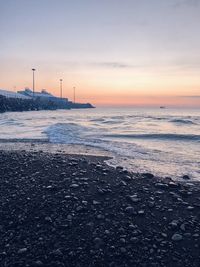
x=112 y=88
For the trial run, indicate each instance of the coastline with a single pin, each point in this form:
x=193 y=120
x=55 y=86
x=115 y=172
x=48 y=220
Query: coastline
x=64 y=209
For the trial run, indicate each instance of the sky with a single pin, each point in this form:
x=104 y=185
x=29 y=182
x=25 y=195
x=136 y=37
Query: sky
x=115 y=52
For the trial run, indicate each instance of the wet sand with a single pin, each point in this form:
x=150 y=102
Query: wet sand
x=62 y=210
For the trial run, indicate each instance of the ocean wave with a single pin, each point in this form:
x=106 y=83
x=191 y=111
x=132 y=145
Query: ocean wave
x=112 y=122
x=11 y=122
x=76 y=133
x=175 y=137
x=23 y=140
x=67 y=133
x=182 y=121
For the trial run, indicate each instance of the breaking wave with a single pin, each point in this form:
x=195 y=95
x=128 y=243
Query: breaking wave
x=184 y=137
x=182 y=121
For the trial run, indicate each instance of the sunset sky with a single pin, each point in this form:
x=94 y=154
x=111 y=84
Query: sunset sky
x=115 y=52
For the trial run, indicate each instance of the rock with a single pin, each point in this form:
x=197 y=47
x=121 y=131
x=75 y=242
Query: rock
x=123 y=250
x=174 y=224
x=94 y=202
x=127 y=178
x=134 y=240
x=141 y=212
x=80 y=208
x=134 y=198
x=38 y=263
x=22 y=250
x=185 y=177
x=107 y=232
x=177 y=237
x=182 y=227
x=98 y=242
x=130 y=210
x=190 y=208
x=74 y=185
x=148 y=175
x=173 y=184
x=119 y=168
x=196 y=235
x=151 y=204
x=164 y=235
x=123 y=240
x=48 y=219
x=161 y=185
x=69 y=217
x=123 y=183
x=57 y=253
x=100 y=216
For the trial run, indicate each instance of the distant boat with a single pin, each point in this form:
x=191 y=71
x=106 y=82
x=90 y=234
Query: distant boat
x=162 y=107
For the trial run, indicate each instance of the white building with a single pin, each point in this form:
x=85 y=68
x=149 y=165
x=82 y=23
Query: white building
x=10 y=94
x=43 y=95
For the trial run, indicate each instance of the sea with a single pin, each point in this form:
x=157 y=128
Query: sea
x=165 y=141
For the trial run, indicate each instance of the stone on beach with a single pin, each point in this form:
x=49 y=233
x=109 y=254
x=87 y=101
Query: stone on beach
x=89 y=214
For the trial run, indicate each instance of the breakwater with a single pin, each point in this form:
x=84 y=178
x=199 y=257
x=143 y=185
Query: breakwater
x=16 y=104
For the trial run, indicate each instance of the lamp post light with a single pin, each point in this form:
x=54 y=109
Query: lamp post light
x=33 y=81
x=61 y=88
x=74 y=88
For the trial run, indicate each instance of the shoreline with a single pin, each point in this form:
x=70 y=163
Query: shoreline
x=113 y=159
x=62 y=210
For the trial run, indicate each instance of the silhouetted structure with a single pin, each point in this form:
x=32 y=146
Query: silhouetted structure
x=26 y=101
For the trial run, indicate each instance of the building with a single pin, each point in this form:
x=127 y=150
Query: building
x=9 y=94
x=43 y=95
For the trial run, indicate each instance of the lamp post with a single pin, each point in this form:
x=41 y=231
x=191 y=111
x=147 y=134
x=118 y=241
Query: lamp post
x=61 y=88
x=33 y=81
x=74 y=88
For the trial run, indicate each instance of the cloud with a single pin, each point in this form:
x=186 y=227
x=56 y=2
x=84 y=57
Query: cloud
x=181 y=3
x=113 y=65
x=190 y=96
x=185 y=64
x=119 y=65
x=180 y=64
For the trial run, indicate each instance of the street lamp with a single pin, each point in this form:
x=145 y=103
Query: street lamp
x=33 y=81
x=74 y=94
x=61 y=88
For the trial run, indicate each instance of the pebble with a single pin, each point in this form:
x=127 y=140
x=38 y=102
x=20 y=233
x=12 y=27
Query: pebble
x=48 y=219
x=80 y=208
x=190 y=208
x=148 y=175
x=57 y=253
x=141 y=212
x=98 y=242
x=182 y=227
x=177 y=237
x=186 y=177
x=134 y=199
x=95 y=202
x=50 y=231
x=130 y=209
x=22 y=250
x=69 y=217
x=151 y=204
x=38 y=263
x=161 y=185
x=74 y=185
x=123 y=250
x=174 y=223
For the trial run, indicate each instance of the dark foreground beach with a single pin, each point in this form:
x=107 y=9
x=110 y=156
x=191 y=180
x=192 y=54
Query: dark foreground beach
x=64 y=210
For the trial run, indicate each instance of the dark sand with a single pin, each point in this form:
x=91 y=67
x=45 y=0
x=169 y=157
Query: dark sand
x=65 y=210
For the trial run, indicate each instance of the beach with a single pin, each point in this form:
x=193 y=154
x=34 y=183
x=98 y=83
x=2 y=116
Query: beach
x=62 y=209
